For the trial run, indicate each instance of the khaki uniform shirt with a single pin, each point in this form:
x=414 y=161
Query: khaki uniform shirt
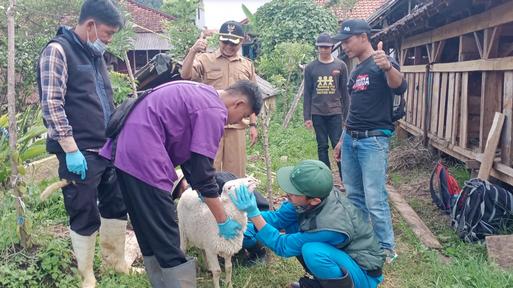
x=216 y=70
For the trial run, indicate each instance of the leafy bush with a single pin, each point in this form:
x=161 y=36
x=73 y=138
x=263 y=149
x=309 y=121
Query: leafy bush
x=293 y=21
x=182 y=31
x=120 y=86
x=30 y=143
x=281 y=68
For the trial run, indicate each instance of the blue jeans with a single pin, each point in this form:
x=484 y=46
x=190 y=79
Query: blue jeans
x=327 y=127
x=364 y=170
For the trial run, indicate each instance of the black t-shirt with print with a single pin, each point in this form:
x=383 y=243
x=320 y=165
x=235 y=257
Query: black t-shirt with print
x=371 y=100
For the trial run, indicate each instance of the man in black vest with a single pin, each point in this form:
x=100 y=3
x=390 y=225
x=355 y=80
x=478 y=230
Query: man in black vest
x=76 y=99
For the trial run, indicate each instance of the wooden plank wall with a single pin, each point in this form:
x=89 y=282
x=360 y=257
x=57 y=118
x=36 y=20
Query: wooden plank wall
x=463 y=94
x=449 y=107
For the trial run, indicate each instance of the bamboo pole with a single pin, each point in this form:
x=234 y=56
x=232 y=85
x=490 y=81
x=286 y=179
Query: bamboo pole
x=267 y=155
x=11 y=107
x=293 y=106
x=130 y=73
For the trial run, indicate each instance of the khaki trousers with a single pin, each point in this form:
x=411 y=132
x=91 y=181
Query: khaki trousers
x=231 y=156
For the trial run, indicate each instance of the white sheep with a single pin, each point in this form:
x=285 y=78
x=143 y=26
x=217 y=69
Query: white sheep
x=198 y=228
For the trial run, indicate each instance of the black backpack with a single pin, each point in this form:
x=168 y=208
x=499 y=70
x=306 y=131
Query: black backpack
x=482 y=209
x=399 y=110
x=444 y=188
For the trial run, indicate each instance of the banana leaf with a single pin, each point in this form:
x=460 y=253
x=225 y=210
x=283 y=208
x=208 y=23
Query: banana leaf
x=33 y=152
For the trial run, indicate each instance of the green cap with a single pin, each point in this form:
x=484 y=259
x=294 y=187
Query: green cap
x=311 y=178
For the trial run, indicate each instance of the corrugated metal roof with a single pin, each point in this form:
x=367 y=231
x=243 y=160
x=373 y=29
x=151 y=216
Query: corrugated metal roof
x=150 y=41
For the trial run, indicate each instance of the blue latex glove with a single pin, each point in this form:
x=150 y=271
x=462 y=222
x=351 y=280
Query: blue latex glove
x=76 y=163
x=229 y=229
x=245 y=201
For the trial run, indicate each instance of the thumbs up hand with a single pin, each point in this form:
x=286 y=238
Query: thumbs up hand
x=201 y=44
x=381 y=59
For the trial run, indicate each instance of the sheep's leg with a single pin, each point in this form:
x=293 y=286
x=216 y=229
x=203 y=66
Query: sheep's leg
x=183 y=238
x=228 y=270
x=213 y=266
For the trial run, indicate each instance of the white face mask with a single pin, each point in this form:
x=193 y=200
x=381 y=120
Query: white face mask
x=97 y=46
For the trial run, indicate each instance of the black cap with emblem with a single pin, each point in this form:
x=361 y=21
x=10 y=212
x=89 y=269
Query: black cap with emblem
x=352 y=27
x=231 y=31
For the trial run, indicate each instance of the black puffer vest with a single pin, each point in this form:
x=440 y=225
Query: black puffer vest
x=88 y=99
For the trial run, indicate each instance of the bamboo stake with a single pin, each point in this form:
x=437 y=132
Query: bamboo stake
x=293 y=106
x=267 y=155
x=11 y=107
x=130 y=74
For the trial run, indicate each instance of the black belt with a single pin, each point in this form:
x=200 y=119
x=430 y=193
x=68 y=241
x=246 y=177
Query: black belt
x=365 y=134
x=374 y=273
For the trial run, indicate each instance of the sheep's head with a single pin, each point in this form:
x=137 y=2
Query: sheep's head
x=232 y=184
x=229 y=187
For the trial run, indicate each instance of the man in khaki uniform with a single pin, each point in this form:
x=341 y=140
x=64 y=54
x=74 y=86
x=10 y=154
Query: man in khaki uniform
x=221 y=69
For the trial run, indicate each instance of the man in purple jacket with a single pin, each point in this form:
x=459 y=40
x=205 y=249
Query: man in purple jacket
x=179 y=123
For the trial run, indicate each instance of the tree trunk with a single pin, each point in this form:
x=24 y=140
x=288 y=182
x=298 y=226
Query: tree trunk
x=293 y=106
x=267 y=155
x=130 y=74
x=11 y=107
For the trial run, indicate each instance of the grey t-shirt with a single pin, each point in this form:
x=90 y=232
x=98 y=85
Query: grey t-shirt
x=325 y=89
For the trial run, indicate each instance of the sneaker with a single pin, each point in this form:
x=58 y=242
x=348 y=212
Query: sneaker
x=391 y=256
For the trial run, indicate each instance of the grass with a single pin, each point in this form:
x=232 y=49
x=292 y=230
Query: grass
x=50 y=263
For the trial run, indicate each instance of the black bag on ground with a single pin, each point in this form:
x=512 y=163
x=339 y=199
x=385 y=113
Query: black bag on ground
x=482 y=209
x=399 y=108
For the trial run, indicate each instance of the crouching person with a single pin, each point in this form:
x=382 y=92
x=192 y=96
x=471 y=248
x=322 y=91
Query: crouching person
x=178 y=123
x=324 y=230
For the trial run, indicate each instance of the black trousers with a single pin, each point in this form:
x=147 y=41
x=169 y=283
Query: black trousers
x=327 y=127
x=153 y=216
x=98 y=194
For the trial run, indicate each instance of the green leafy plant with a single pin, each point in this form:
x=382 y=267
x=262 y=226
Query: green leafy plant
x=120 y=86
x=281 y=67
x=30 y=145
x=182 y=31
x=292 y=21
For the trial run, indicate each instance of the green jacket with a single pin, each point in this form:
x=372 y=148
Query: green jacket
x=336 y=213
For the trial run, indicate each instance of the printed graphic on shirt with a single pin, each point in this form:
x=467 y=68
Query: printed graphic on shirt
x=326 y=85
x=362 y=82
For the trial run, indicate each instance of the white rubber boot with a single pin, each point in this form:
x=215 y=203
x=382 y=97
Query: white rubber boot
x=83 y=247
x=112 y=244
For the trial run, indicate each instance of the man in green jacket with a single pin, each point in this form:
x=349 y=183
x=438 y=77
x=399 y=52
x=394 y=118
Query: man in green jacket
x=323 y=229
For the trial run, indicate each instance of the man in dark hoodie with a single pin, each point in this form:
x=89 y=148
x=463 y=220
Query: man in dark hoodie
x=76 y=99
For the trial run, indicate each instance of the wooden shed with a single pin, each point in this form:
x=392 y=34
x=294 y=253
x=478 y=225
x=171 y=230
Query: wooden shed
x=457 y=56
